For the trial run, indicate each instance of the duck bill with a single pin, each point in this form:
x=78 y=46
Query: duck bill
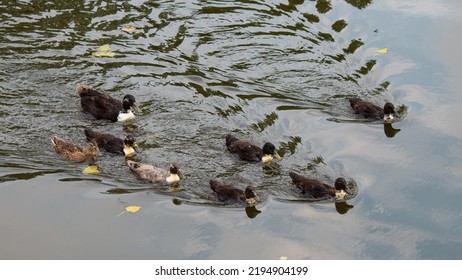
x=257 y=199
x=95 y=145
x=348 y=191
x=277 y=156
x=135 y=109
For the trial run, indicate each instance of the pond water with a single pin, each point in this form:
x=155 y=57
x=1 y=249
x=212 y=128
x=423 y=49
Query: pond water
x=278 y=71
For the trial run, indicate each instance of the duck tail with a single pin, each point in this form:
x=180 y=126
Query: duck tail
x=79 y=89
x=295 y=177
x=230 y=139
x=354 y=101
x=90 y=134
x=213 y=184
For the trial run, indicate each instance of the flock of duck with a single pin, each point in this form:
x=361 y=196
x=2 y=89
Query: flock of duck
x=104 y=107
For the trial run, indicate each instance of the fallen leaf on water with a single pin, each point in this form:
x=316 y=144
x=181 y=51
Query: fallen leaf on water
x=104 y=50
x=382 y=51
x=91 y=169
x=128 y=28
x=131 y=209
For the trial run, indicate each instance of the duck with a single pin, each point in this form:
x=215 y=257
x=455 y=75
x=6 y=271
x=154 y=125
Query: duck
x=371 y=111
x=232 y=194
x=249 y=152
x=74 y=152
x=103 y=106
x=316 y=189
x=111 y=143
x=153 y=174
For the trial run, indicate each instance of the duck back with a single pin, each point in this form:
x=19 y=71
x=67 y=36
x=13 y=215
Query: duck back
x=99 y=104
x=243 y=149
x=147 y=172
x=366 y=108
x=105 y=141
x=226 y=192
x=72 y=151
x=311 y=187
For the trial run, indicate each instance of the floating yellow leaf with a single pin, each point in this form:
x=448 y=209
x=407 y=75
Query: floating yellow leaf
x=128 y=28
x=132 y=209
x=91 y=169
x=104 y=50
x=382 y=51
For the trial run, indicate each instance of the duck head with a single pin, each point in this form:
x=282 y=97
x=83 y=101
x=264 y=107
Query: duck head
x=388 y=112
x=341 y=188
x=129 y=146
x=269 y=152
x=174 y=173
x=128 y=102
x=250 y=196
x=128 y=105
x=174 y=168
x=92 y=151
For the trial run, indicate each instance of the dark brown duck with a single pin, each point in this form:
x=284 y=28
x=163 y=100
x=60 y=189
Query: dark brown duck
x=231 y=194
x=111 y=143
x=316 y=189
x=103 y=106
x=249 y=152
x=370 y=111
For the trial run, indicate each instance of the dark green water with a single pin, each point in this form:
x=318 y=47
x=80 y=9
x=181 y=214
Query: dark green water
x=276 y=71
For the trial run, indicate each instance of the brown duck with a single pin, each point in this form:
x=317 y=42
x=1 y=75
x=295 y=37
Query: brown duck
x=250 y=152
x=232 y=194
x=74 y=152
x=371 y=111
x=316 y=189
x=103 y=106
x=154 y=174
x=111 y=143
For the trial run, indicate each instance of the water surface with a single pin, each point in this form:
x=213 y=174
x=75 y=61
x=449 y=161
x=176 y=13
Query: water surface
x=278 y=71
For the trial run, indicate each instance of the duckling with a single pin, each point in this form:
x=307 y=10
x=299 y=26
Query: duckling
x=74 y=152
x=316 y=189
x=371 y=111
x=102 y=106
x=250 y=152
x=155 y=174
x=230 y=193
x=111 y=143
